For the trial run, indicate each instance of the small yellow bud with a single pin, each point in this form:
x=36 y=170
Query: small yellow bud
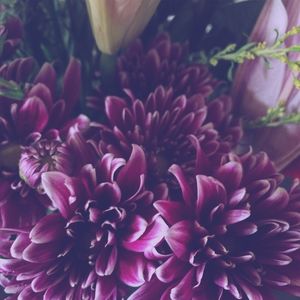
x=296 y=83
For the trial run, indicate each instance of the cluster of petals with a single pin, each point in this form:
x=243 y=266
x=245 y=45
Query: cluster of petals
x=94 y=246
x=232 y=236
x=38 y=134
x=153 y=203
x=142 y=68
x=169 y=129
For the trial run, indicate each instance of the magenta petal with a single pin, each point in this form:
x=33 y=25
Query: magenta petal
x=44 y=281
x=252 y=292
x=208 y=189
x=234 y=216
x=108 y=191
x=28 y=293
x=129 y=178
x=184 y=185
x=179 y=237
x=230 y=175
x=55 y=292
x=276 y=202
x=137 y=226
x=82 y=122
x=221 y=279
x=171 y=269
x=72 y=84
x=149 y=291
x=79 y=146
x=32 y=116
x=43 y=92
x=152 y=236
x=132 y=268
x=114 y=107
x=171 y=211
x=18 y=246
x=54 y=184
x=48 y=229
x=106 y=261
x=105 y=287
x=184 y=289
x=47 y=76
x=199 y=274
x=41 y=253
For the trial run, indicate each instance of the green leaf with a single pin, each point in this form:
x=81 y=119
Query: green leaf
x=10 y=90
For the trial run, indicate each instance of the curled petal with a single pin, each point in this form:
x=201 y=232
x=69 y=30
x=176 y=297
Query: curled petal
x=179 y=237
x=54 y=184
x=150 y=238
x=32 y=116
x=129 y=178
x=48 y=229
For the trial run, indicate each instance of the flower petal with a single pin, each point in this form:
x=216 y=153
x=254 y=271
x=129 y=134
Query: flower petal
x=152 y=236
x=32 y=116
x=184 y=185
x=72 y=84
x=129 y=178
x=114 y=107
x=171 y=211
x=49 y=228
x=54 y=184
x=179 y=237
x=133 y=268
x=47 y=76
x=149 y=291
x=171 y=269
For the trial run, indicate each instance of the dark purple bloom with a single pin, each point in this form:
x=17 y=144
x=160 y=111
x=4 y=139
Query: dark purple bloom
x=141 y=69
x=93 y=246
x=11 y=33
x=169 y=129
x=232 y=236
x=37 y=135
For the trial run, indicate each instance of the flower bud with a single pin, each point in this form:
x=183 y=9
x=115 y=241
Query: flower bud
x=116 y=23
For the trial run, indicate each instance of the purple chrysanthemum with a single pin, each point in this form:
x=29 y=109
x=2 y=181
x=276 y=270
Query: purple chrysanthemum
x=232 y=236
x=37 y=135
x=141 y=69
x=93 y=246
x=10 y=35
x=169 y=129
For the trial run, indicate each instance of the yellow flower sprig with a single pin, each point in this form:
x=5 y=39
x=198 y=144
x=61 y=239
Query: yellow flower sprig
x=254 y=50
x=275 y=116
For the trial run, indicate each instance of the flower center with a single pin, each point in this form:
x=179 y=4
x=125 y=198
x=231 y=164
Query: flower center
x=43 y=156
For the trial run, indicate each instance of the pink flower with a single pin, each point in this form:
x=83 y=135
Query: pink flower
x=258 y=87
x=169 y=129
x=93 y=246
x=37 y=135
x=233 y=235
x=142 y=68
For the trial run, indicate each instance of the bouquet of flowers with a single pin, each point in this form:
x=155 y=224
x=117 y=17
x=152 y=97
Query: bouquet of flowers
x=149 y=150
